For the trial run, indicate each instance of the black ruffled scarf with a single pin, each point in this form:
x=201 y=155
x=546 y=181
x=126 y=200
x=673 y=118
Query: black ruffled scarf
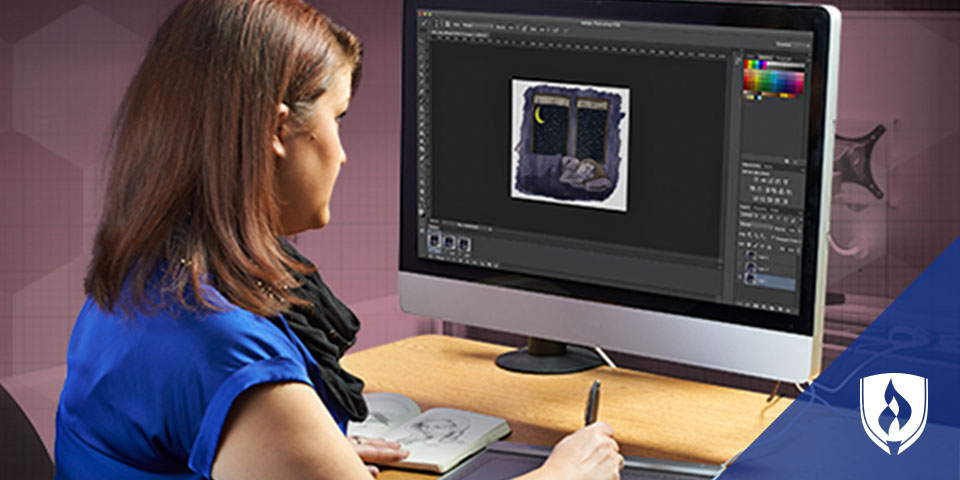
x=327 y=328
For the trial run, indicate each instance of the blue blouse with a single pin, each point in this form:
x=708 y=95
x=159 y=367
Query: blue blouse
x=146 y=397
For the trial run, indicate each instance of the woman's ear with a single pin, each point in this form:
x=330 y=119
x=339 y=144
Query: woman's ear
x=283 y=118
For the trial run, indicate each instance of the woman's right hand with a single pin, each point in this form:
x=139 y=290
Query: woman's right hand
x=590 y=453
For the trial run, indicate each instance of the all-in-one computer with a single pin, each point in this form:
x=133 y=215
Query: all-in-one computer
x=650 y=177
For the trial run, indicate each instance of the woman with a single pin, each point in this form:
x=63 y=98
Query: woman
x=208 y=347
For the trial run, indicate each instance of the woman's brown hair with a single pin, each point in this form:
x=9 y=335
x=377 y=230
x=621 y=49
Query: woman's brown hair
x=192 y=195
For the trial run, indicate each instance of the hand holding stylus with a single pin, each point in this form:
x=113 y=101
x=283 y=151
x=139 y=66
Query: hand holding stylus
x=589 y=453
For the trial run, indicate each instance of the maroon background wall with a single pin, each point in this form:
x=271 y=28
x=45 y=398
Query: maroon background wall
x=65 y=63
x=63 y=68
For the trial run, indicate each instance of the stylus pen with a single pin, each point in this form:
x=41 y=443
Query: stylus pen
x=593 y=403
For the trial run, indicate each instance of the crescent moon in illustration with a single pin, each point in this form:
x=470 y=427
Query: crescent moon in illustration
x=536 y=116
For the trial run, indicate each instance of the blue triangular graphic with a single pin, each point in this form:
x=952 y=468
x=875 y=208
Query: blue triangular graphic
x=821 y=436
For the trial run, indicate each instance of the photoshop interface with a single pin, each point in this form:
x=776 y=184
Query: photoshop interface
x=657 y=158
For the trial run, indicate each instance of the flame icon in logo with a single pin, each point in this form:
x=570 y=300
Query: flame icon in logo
x=897 y=412
x=893 y=416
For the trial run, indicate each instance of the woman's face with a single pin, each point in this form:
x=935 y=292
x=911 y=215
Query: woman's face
x=309 y=159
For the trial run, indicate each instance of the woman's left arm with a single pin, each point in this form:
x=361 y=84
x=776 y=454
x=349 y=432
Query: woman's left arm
x=283 y=431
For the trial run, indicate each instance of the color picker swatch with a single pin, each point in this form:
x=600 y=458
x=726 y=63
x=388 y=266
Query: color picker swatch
x=764 y=78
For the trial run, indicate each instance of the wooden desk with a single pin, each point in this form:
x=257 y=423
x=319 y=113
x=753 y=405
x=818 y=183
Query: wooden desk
x=654 y=416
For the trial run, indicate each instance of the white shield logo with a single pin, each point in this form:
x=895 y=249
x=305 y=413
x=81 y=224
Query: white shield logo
x=893 y=409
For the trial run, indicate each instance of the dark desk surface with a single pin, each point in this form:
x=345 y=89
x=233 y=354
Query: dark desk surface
x=654 y=416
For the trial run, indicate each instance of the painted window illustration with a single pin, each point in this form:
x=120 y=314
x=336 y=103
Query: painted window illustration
x=592 y=117
x=551 y=124
x=570 y=144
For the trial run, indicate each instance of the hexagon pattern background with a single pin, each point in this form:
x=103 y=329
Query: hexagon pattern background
x=64 y=65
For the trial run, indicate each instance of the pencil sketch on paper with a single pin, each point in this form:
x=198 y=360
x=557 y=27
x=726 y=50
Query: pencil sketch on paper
x=434 y=431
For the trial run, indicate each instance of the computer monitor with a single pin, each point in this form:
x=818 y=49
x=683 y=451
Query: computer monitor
x=649 y=177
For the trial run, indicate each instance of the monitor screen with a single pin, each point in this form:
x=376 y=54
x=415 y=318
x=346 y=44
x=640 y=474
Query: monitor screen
x=595 y=172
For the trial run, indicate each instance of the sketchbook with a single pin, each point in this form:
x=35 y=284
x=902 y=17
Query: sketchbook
x=437 y=439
